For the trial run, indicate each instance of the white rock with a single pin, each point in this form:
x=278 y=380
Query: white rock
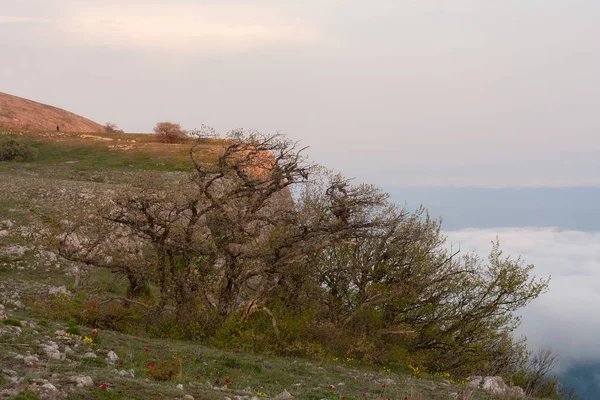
x=494 y=384
x=50 y=387
x=82 y=381
x=54 y=355
x=285 y=395
x=475 y=381
x=89 y=355
x=30 y=360
x=188 y=397
x=112 y=357
x=180 y=386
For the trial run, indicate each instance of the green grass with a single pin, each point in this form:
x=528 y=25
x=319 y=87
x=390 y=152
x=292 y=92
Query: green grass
x=261 y=375
x=11 y=322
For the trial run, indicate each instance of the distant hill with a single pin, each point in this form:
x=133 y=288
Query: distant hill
x=23 y=114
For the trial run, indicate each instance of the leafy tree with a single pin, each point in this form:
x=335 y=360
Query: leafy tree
x=170 y=132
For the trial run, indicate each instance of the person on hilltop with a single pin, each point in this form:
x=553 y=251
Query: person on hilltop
x=57 y=128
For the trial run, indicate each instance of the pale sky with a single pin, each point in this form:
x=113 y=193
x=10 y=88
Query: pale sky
x=399 y=92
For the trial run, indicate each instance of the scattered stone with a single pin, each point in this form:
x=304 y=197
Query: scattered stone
x=49 y=387
x=82 y=381
x=60 y=333
x=475 y=381
x=188 y=397
x=31 y=360
x=285 y=395
x=180 y=386
x=112 y=357
x=9 y=372
x=56 y=290
x=89 y=355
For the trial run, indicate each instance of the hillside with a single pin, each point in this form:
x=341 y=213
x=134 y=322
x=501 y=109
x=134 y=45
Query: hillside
x=73 y=174
x=65 y=267
x=22 y=114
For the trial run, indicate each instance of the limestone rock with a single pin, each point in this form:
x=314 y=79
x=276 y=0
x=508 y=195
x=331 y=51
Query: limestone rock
x=285 y=395
x=112 y=357
x=82 y=381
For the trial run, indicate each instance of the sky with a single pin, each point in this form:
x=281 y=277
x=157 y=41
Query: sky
x=394 y=92
x=484 y=111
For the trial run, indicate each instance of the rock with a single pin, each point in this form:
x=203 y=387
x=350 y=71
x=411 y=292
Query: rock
x=226 y=398
x=69 y=351
x=188 y=397
x=494 y=384
x=127 y=373
x=82 y=381
x=180 y=386
x=9 y=372
x=285 y=395
x=475 y=381
x=60 y=333
x=56 y=290
x=55 y=355
x=89 y=355
x=30 y=360
x=112 y=357
x=49 y=387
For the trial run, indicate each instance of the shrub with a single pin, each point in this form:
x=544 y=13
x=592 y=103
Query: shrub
x=11 y=321
x=109 y=127
x=12 y=148
x=170 y=132
x=164 y=370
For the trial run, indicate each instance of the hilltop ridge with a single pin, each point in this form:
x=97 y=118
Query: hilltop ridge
x=19 y=113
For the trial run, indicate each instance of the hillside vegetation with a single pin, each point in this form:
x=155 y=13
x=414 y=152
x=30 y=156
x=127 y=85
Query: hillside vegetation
x=242 y=271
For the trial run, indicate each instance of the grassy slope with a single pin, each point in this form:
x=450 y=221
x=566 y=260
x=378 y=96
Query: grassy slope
x=69 y=171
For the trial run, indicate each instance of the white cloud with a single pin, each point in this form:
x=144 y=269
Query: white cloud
x=188 y=28
x=565 y=318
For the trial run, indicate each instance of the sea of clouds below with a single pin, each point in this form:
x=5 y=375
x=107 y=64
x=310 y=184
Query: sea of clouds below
x=567 y=317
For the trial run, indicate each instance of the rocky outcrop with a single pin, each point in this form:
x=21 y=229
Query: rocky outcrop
x=496 y=386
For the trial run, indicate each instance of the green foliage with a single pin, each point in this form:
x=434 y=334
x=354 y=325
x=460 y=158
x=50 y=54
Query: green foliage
x=73 y=329
x=2 y=379
x=12 y=322
x=26 y=395
x=12 y=148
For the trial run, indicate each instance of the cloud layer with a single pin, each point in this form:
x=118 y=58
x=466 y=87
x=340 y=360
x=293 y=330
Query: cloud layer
x=565 y=318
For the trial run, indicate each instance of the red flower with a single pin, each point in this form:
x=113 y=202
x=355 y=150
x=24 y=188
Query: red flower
x=216 y=361
x=147 y=349
x=343 y=397
x=151 y=365
x=121 y=362
x=364 y=394
x=227 y=380
x=104 y=386
x=218 y=382
x=112 y=349
x=197 y=377
x=331 y=387
x=383 y=386
x=405 y=397
x=94 y=331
